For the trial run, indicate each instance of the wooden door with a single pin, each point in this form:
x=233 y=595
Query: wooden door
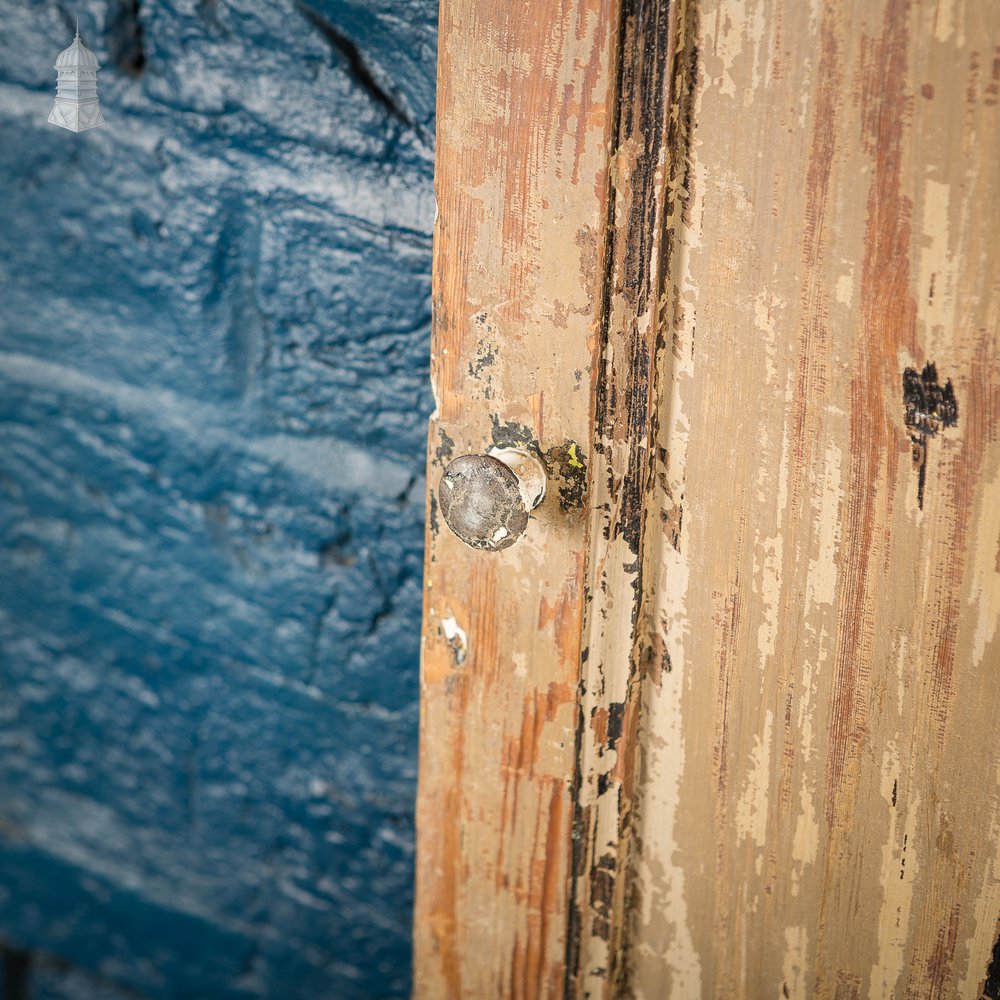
x=724 y=722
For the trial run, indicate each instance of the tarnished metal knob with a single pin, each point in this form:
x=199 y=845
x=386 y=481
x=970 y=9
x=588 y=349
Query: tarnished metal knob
x=486 y=499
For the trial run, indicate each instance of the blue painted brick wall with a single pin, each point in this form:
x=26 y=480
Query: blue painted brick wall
x=214 y=323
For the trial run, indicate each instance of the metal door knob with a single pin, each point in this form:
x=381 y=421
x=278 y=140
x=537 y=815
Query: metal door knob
x=486 y=499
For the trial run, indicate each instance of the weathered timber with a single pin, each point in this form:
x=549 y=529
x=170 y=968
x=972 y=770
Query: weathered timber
x=524 y=115
x=646 y=169
x=819 y=810
x=723 y=723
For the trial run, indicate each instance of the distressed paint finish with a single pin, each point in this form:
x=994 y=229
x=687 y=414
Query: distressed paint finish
x=524 y=115
x=627 y=385
x=820 y=812
x=786 y=769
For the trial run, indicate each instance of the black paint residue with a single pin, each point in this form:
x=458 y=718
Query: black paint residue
x=616 y=719
x=928 y=407
x=656 y=88
x=654 y=659
x=567 y=468
x=486 y=352
x=511 y=434
x=602 y=890
x=446 y=449
x=432 y=519
x=991 y=989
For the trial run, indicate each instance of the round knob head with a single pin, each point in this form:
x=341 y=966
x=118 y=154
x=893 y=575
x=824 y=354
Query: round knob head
x=482 y=502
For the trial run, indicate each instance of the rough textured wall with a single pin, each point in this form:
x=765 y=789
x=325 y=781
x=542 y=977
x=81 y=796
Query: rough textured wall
x=213 y=399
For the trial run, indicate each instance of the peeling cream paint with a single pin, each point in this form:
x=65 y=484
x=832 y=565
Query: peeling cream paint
x=936 y=277
x=784 y=466
x=726 y=46
x=902 y=672
x=683 y=964
x=844 y=289
x=764 y=473
x=757 y=23
x=664 y=900
x=520 y=661
x=985 y=572
x=810 y=675
x=806 y=837
x=764 y=307
x=805 y=842
x=900 y=867
x=982 y=931
x=945 y=21
x=674 y=966
x=804 y=101
x=821 y=587
x=454 y=635
x=796 y=963
x=751 y=810
x=770 y=592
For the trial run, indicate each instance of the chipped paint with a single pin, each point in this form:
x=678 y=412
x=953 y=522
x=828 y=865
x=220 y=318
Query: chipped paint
x=621 y=638
x=795 y=966
x=765 y=307
x=936 y=278
x=524 y=111
x=984 y=570
x=900 y=869
x=768 y=572
x=454 y=635
x=821 y=586
x=828 y=698
x=844 y=289
x=752 y=806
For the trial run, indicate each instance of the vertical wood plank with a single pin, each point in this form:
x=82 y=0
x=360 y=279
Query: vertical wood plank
x=633 y=328
x=820 y=770
x=525 y=106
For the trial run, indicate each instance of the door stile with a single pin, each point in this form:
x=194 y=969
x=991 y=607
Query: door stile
x=525 y=111
x=635 y=509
